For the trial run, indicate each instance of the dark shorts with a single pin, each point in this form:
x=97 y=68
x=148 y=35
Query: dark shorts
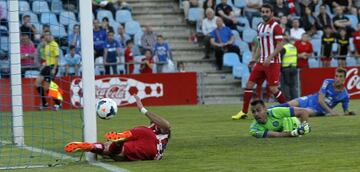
x=46 y=73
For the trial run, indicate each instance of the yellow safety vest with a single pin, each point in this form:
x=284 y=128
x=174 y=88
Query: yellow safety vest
x=290 y=56
x=55 y=91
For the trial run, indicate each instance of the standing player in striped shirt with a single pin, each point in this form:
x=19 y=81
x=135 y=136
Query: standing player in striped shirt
x=267 y=59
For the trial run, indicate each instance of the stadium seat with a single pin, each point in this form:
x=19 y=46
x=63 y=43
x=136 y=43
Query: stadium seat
x=67 y=17
x=40 y=7
x=246 y=57
x=132 y=27
x=4 y=43
x=334 y=63
x=38 y=27
x=351 y=45
x=123 y=16
x=236 y=34
x=104 y=13
x=229 y=2
x=99 y=66
x=351 y=61
x=33 y=17
x=4 y=6
x=195 y=14
x=313 y=63
x=58 y=31
x=56 y=6
x=244 y=22
x=255 y=21
x=354 y=21
x=316 y=44
x=244 y=46
x=49 y=18
x=24 y=6
x=121 y=67
x=231 y=59
x=239 y=3
x=137 y=38
x=114 y=25
x=32 y=73
x=334 y=47
x=248 y=35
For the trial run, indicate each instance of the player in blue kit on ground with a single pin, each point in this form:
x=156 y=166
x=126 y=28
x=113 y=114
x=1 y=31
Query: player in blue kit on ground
x=332 y=92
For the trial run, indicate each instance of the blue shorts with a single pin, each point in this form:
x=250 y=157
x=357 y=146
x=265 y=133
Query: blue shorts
x=312 y=103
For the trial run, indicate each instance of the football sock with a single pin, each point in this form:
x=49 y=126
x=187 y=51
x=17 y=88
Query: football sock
x=98 y=148
x=42 y=95
x=248 y=93
x=280 y=97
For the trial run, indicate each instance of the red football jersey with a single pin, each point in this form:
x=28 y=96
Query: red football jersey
x=128 y=58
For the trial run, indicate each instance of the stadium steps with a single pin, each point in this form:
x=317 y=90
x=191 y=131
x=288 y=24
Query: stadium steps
x=166 y=18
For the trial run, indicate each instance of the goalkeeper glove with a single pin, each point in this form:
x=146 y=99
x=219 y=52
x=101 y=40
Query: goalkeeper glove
x=303 y=129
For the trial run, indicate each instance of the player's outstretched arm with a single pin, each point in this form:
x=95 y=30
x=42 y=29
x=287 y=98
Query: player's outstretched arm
x=162 y=123
x=325 y=106
x=278 y=134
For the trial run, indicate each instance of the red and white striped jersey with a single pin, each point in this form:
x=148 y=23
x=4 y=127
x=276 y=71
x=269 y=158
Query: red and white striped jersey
x=269 y=34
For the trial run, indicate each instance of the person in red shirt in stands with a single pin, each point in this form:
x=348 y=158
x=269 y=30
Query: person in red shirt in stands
x=304 y=49
x=356 y=40
x=129 y=57
x=147 y=62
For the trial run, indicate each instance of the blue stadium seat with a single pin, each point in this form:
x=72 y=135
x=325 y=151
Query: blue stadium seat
x=235 y=34
x=351 y=46
x=255 y=21
x=67 y=17
x=58 y=31
x=123 y=16
x=316 y=44
x=40 y=7
x=246 y=57
x=24 y=6
x=354 y=21
x=239 y=3
x=313 y=63
x=49 y=18
x=248 y=35
x=3 y=4
x=334 y=63
x=351 y=61
x=132 y=27
x=237 y=71
x=334 y=47
x=4 y=43
x=33 y=17
x=137 y=38
x=195 y=14
x=231 y=59
x=38 y=27
x=56 y=6
x=115 y=25
x=244 y=22
x=104 y=13
x=244 y=46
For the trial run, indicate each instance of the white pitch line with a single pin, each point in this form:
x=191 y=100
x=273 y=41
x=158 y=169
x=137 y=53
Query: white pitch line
x=109 y=167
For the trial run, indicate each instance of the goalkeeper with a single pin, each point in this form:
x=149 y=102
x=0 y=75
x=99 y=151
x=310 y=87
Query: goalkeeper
x=278 y=121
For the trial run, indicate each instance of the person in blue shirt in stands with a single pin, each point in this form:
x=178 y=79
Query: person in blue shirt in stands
x=162 y=52
x=99 y=39
x=332 y=92
x=111 y=52
x=222 y=39
x=73 y=61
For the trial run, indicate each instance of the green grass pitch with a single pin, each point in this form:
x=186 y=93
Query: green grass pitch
x=204 y=138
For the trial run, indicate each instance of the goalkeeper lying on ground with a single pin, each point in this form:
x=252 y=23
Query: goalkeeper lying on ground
x=278 y=121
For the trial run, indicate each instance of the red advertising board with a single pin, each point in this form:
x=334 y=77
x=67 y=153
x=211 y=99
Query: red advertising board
x=311 y=80
x=154 y=89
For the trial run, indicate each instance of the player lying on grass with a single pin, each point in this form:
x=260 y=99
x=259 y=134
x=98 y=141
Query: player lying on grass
x=139 y=143
x=278 y=121
x=332 y=92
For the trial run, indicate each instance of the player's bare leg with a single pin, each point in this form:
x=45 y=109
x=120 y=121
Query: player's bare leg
x=248 y=93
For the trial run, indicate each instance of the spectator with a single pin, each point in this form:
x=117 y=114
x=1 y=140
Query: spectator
x=208 y=25
x=147 y=62
x=99 y=39
x=309 y=21
x=105 y=25
x=304 y=50
x=162 y=53
x=225 y=11
x=46 y=28
x=28 y=54
x=111 y=53
x=340 y=20
x=296 y=31
x=74 y=38
x=327 y=41
x=4 y=65
x=209 y=4
x=73 y=61
x=222 y=40
x=356 y=40
x=284 y=24
x=191 y=4
x=181 y=67
x=311 y=4
x=122 y=37
x=122 y=5
x=356 y=3
x=343 y=47
x=281 y=9
x=324 y=18
x=252 y=8
x=129 y=57
x=103 y=4
x=148 y=39
x=3 y=13
x=28 y=28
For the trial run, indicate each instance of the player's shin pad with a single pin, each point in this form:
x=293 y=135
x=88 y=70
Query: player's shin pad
x=116 y=137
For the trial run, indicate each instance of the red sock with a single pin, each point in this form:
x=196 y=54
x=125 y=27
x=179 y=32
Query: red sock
x=280 y=97
x=98 y=148
x=248 y=93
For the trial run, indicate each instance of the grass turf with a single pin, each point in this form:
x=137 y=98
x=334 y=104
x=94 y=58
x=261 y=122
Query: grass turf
x=204 y=138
